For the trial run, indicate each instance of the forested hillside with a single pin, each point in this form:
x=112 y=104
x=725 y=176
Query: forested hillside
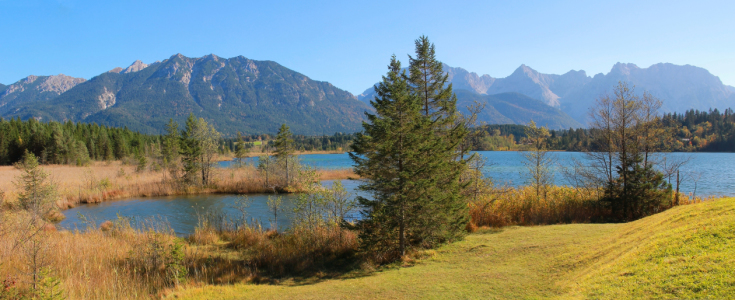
x=235 y=94
x=691 y=131
x=67 y=143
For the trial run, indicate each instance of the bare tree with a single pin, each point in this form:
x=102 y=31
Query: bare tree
x=626 y=130
x=275 y=206
x=538 y=160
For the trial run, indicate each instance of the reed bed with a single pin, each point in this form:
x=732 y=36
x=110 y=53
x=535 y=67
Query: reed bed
x=298 y=251
x=337 y=174
x=93 y=264
x=102 y=181
x=558 y=205
x=125 y=259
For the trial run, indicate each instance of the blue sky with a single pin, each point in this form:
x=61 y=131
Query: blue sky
x=349 y=43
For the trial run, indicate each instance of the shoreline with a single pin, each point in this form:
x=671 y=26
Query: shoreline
x=107 y=181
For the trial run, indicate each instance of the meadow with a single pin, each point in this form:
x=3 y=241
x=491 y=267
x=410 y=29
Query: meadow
x=685 y=252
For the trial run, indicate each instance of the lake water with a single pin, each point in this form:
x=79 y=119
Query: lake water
x=716 y=172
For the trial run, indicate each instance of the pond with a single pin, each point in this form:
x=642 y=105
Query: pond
x=182 y=213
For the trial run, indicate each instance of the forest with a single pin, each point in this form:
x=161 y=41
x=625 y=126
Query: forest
x=691 y=131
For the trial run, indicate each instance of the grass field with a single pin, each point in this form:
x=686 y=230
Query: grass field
x=685 y=252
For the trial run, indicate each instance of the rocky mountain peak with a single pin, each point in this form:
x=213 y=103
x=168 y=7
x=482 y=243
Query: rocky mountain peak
x=623 y=69
x=54 y=83
x=135 y=67
x=59 y=83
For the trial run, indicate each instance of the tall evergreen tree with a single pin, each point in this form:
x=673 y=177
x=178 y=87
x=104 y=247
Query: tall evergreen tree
x=446 y=215
x=427 y=79
x=171 y=148
x=191 y=150
x=390 y=155
x=284 y=151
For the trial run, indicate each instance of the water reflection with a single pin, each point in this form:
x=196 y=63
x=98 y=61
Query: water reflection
x=181 y=212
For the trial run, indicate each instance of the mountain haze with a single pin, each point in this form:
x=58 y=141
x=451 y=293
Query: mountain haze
x=679 y=87
x=235 y=94
x=517 y=99
x=515 y=108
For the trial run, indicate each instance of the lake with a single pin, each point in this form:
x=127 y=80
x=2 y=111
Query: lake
x=716 y=172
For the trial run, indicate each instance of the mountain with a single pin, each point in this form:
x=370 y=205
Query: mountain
x=235 y=94
x=679 y=87
x=33 y=89
x=516 y=99
x=515 y=108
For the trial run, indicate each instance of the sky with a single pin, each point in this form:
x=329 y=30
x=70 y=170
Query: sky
x=349 y=43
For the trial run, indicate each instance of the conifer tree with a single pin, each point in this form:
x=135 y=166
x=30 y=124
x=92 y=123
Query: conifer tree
x=427 y=79
x=445 y=214
x=191 y=150
x=389 y=153
x=284 y=150
x=171 y=148
x=240 y=150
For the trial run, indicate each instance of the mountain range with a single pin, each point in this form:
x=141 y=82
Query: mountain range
x=679 y=87
x=243 y=95
x=235 y=94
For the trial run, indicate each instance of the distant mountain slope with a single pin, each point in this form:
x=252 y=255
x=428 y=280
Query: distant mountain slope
x=515 y=108
x=236 y=94
x=34 y=89
x=509 y=102
x=680 y=87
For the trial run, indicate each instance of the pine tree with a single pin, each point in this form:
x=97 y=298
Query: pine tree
x=284 y=150
x=171 y=148
x=390 y=153
x=427 y=79
x=446 y=216
x=241 y=150
x=191 y=150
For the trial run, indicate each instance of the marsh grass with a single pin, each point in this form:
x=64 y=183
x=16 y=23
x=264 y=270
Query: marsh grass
x=102 y=181
x=558 y=205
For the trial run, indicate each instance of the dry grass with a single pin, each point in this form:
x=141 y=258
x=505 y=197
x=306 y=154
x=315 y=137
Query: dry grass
x=101 y=181
x=337 y=174
x=124 y=260
x=560 y=205
x=89 y=265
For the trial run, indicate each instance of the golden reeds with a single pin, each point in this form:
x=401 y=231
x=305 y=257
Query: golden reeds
x=558 y=205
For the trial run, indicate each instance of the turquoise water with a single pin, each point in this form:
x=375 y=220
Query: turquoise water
x=716 y=172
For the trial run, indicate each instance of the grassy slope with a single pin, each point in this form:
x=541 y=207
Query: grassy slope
x=685 y=252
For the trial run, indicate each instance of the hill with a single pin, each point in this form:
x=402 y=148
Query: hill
x=235 y=94
x=685 y=252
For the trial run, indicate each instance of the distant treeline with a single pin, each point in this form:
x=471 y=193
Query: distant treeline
x=68 y=143
x=337 y=142
x=691 y=131
x=78 y=143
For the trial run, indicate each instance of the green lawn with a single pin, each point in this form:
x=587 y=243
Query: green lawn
x=686 y=252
